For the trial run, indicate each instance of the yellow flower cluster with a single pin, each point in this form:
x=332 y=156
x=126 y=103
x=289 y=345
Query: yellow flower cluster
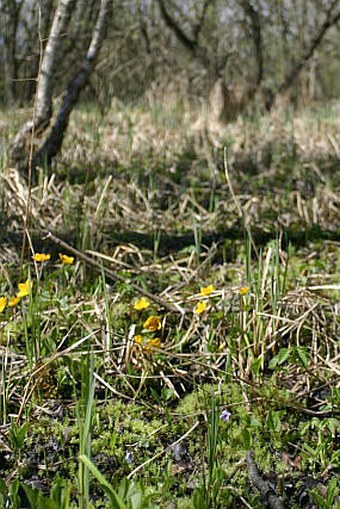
x=151 y=325
x=205 y=291
x=24 y=289
x=42 y=257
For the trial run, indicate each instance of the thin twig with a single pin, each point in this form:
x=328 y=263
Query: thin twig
x=110 y=273
x=30 y=158
x=164 y=451
x=236 y=201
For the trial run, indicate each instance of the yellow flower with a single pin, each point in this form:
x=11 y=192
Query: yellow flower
x=138 y=339
x=66 y=260
x=147 y=346
x=3 y=302
x=153 y=323
x=207 y=290
x=141 y=304
x=154 y=343
x=200 y=308
x=41 y=257
x=243 y=290
x=24 y=288
x=13 y=301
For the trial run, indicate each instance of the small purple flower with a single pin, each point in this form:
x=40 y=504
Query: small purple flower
x=225 y=415
x=128 y=457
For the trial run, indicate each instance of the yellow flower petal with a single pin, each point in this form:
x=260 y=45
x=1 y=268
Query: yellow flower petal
x=3 y=302
x=141 y=304
x=207 y=290
x=13 y=301
x=243 y=290
x=138 y=339
x=66 y=260
x=200 y=308
x=41 y=257
x=25 y=288
x=153 y=323
x=147 y=345
x=154 y=343
x=150 y=346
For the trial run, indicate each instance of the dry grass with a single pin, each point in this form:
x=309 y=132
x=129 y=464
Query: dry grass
x=145 y=193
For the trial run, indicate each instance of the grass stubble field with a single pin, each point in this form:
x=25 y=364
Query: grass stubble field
x=178 y=345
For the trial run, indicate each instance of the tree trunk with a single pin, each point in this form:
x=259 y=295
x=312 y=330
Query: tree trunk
x=330 y=20
x=45 y=84
x=53 y=143
x=10 y=15
x=256 y=31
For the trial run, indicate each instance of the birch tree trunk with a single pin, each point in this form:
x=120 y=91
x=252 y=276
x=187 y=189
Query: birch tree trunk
x=46 y=81
x=53 y=143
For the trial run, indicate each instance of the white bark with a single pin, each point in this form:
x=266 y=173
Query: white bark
x=54 y=141
x=50 y=61
x=51 y=58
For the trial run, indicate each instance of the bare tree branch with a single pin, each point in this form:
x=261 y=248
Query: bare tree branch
x=199 y=25
x=331 y=19
x=190 y=44
x=268 y=495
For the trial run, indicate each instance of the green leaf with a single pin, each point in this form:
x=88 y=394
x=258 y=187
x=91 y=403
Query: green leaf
x=302 y=355
x=256 y=365
x=3 y=492
x=136 y=500
x=280 y=358
x=116 y=501
x=318 y=498
x=245 y=438
x=331 y=491
x=273 y=421
x=283 y=355
x=36 y=498
x=17 y=435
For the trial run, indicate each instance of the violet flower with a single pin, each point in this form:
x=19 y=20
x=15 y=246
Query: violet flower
x=225 y=415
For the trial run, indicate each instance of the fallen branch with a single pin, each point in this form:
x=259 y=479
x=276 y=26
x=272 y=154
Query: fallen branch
x=269 y=497
x=110 y=274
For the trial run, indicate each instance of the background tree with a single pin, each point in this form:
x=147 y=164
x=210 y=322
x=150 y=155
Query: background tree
x=52 y=55
x=46 y=79
x=234 y=55
x=53 y=142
